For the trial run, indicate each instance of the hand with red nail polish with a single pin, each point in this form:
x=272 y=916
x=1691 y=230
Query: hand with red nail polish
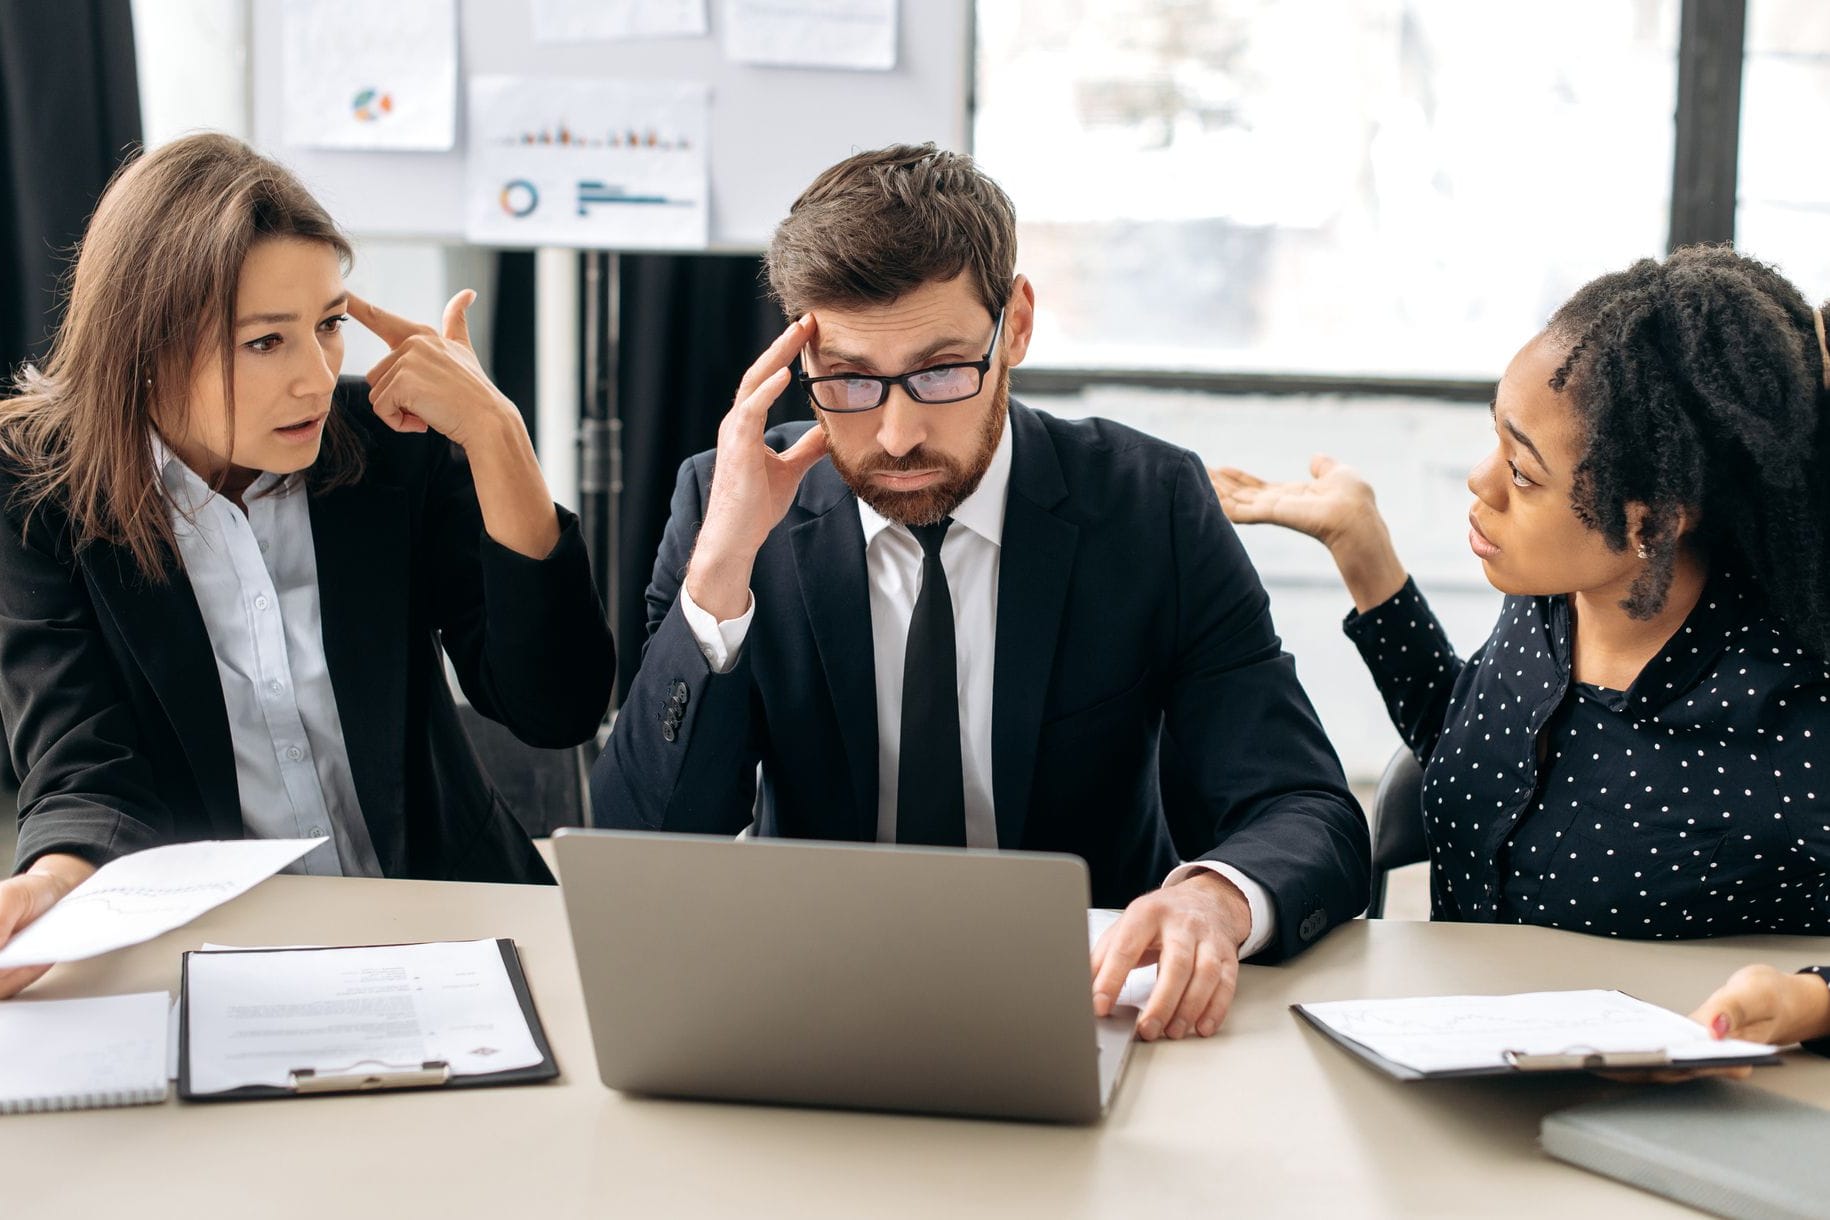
x=1761 y=1004
x=1757 y=1004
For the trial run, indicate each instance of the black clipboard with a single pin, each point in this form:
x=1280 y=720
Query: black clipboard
x=1573 y=1059
x=432 y=1075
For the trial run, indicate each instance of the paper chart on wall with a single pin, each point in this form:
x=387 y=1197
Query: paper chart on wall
x=614 y=20
x=612 y=165
x=855 y=34
x=361 y=75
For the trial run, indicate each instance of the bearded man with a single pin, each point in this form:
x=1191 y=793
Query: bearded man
x=939 y=617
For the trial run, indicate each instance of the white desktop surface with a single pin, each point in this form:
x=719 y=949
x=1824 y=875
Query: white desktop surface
x=1267 y=1118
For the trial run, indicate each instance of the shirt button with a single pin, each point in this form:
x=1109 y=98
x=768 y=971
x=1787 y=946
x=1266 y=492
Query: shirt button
x=315 y=831
x=260 y=603
x=294 y=753
x=276 y=686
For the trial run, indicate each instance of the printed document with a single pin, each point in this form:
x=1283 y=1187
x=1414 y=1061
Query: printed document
x=255 y=1017
x=147 y=894
x=1464 y=1032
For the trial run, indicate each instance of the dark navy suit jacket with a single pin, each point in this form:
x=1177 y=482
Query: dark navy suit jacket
x=1126 y=610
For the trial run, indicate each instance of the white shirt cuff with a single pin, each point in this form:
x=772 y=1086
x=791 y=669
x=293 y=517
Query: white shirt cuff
x=1257 y=899
x=719 y=641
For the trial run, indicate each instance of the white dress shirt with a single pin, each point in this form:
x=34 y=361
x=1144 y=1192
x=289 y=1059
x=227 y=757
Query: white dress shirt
x=255 y=575
x=970 y=554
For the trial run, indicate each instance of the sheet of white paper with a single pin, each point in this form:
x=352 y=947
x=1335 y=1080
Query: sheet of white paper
x=148 y=893
x=358 y=74
x=612 y=165
x=855 y=34
x=1140 y=982
x=256 y=1017
x=72 y=1054
x=606 y=20
x=1455 y=1032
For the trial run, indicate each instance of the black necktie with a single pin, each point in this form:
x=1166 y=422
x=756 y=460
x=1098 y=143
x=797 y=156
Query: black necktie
x=930 y=788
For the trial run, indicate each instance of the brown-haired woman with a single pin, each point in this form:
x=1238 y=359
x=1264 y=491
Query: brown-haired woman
x=224 y=583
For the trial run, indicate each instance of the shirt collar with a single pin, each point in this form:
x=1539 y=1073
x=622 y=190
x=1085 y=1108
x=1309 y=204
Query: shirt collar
x=187 y=491
x=1728 y=610
x=982 y=512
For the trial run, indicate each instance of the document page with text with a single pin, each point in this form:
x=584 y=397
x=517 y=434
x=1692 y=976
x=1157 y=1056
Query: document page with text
x=256 y=1017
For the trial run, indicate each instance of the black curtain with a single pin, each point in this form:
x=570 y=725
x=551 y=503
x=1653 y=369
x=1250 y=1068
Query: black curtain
x=511 y=340
x=690 y=325
x=69 y=114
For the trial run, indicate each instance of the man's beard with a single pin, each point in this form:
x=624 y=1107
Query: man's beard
x=928 y=505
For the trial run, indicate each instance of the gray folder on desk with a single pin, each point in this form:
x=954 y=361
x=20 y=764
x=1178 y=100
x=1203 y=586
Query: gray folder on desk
x=1731 y=1149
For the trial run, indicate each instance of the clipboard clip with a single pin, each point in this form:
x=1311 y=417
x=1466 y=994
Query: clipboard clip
x=385 y=1076
x=1583 y=1058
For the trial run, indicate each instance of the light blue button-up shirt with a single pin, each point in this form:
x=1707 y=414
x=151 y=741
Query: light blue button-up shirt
x=255 y=575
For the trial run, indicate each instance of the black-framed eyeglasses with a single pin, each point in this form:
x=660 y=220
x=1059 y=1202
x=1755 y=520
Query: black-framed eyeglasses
x=849 y=393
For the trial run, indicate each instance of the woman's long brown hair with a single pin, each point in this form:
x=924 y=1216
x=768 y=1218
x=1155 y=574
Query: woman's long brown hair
x=152 y=295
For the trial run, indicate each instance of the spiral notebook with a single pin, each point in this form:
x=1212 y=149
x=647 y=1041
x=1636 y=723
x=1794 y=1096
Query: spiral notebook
x=83 y=1054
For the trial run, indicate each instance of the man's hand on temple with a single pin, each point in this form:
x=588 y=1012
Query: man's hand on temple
x=1192 y=931
x=752 y=485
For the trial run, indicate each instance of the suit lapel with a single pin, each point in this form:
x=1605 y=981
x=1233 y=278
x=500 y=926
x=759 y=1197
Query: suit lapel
x=163 y=630
x=829 y=561
x=360 y=537
x=1034 y=567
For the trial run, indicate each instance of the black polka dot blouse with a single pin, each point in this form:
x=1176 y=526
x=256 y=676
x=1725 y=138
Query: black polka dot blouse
x=1696 y=803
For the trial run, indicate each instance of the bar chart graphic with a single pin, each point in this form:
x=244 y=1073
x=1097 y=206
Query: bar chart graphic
x=617 y=165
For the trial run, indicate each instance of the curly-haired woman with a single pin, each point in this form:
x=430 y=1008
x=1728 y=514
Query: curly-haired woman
x=1642 y=746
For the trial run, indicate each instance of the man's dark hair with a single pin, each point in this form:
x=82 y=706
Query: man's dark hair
x=1700 y=382
x=880 y=224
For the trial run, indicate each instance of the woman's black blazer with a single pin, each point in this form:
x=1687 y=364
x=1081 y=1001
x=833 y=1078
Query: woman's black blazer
x=114 y=712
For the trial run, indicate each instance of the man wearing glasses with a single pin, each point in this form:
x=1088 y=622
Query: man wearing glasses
x=939 y=617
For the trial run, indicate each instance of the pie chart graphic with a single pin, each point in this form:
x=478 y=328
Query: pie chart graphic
x=371 y=104
x=519 y=197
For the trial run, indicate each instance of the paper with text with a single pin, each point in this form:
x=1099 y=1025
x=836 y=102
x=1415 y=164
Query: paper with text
x=147 y=894
x=1464 y=1032
x=256 y=1017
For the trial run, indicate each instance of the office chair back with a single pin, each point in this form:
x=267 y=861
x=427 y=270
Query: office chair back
x=1397 y=824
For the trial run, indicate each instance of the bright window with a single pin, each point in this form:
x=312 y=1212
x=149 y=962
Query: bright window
x=1782 y=211
x=1387 y=187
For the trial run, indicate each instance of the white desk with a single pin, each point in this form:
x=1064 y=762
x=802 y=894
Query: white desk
x=1265 y=1119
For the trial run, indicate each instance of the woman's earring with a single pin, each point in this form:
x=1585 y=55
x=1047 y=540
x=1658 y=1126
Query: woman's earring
x=1643 y=552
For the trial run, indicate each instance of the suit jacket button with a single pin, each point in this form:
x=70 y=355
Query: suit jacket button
x=667 y=731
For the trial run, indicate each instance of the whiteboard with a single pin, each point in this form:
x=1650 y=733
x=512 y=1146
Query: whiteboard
x=772 y=129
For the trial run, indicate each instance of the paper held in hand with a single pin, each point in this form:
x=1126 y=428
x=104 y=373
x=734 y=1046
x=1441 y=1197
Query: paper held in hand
x=147 y=894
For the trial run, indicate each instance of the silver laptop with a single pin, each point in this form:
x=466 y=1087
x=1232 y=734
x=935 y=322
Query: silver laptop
x=882 y=978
